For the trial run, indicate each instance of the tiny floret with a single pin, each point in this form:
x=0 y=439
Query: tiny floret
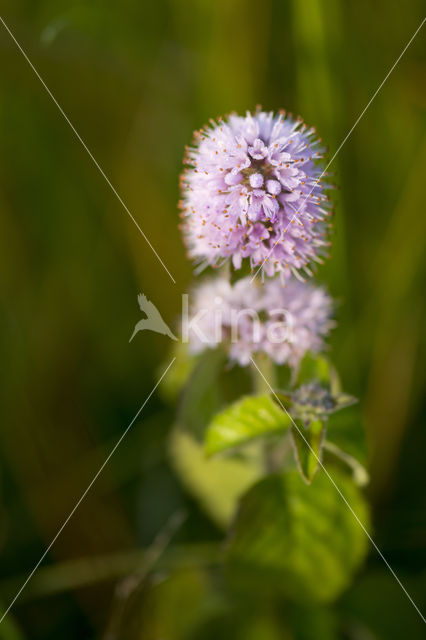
x=256 y=180
x=253 y=190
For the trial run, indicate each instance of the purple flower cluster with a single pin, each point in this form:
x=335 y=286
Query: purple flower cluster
x=248 y=318
x=253 y=189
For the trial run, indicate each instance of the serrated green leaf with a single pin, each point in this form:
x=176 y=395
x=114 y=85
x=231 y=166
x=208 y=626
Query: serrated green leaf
x=308 y=444
x=245 y=420
x=298 y=539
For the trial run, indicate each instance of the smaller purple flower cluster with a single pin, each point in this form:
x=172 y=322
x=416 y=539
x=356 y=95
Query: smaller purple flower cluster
x=281 y=322
x=253 y=190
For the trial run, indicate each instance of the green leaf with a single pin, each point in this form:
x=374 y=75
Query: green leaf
x=245 y=420
x=308 y=444
x=216 y=483
x=298 y=539
x=343 y=400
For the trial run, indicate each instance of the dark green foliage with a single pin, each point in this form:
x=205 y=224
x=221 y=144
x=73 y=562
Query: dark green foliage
x=298 y=539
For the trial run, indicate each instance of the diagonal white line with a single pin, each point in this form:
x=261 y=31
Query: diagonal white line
x=80 y=500
x=343 y=497
x=101 y=171
x=344 y=140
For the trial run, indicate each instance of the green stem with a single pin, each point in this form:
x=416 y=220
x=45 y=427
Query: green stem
x=360 y=474
x=262 y=384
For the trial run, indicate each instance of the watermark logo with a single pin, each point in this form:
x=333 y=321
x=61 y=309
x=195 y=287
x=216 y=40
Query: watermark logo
x=219 y=322
x=153 y=321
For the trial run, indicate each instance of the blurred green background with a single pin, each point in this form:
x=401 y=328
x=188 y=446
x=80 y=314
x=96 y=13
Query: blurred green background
x=136 y=78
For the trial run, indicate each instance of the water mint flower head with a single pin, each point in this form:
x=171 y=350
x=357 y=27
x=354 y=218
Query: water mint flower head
x=313 y=401
x=251 y=190
x=250 y=318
